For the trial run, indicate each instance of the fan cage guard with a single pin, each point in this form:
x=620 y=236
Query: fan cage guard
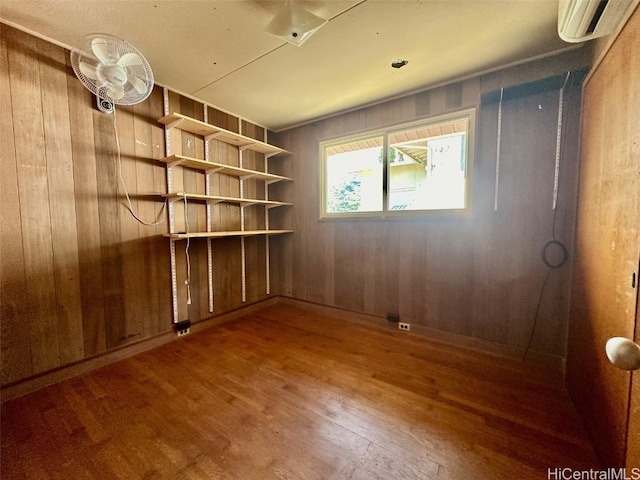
x=116 y=48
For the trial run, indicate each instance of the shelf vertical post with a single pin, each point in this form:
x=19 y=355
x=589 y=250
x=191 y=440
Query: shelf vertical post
x=174 y=280
x=242 y=246
x=207 y=189
x=266 y=225
x=172 y=245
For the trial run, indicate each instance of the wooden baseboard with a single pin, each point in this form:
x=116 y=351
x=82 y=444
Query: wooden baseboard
x=538 y=359
x=31 y=384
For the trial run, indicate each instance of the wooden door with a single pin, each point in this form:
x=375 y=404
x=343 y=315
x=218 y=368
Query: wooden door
x=604 y=295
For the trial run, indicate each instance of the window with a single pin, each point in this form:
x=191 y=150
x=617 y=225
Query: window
x=413 y=168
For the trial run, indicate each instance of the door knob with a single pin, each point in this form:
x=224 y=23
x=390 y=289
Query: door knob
x=623 y=353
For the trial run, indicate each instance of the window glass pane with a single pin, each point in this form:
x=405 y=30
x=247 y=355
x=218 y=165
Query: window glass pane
x=427 y=167
x=353 y=176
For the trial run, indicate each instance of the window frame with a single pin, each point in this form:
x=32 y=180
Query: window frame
x=470 y=114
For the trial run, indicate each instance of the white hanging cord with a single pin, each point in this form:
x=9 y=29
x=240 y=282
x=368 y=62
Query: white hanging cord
x=187 y=282
x=558 y=143
x=159 y=217
x=498 y=142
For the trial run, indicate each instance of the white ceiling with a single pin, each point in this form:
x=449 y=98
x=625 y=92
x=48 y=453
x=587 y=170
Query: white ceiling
x=217 y=51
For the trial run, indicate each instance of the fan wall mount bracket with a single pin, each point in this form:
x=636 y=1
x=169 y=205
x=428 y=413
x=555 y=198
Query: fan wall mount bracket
x=104 y=105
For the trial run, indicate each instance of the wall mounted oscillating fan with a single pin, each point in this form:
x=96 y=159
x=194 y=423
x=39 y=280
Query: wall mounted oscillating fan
x=113 y=69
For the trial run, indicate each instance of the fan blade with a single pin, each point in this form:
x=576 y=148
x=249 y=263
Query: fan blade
x=138 y=84
x=100 y=48
x=116 y=92
x=130 y=59
x=88 y=70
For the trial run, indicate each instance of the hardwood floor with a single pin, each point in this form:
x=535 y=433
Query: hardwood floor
x=289 y=393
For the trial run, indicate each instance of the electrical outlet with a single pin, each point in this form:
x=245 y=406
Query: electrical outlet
x=182 y=332
x=182 y=328
x=404 y=326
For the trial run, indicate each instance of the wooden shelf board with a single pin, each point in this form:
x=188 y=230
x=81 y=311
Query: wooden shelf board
x=235 y=233
x=183 y=122
x=198 y=164
x=217 y=198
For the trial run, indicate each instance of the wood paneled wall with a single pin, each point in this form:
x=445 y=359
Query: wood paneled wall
x=478 y=277
x=79 y=275
x=604 y=299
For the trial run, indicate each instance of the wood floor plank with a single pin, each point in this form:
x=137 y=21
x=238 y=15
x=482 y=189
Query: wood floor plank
x=289 y=393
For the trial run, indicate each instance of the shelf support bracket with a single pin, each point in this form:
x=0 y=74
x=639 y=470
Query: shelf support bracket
x=246 y=146
x=207 y=177
x=174 y=280
x=213 y=136
x=266 y=224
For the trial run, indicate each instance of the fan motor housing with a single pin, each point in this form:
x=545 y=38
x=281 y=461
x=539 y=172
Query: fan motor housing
x=104 y=105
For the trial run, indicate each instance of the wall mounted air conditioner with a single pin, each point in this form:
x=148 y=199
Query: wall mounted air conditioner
x=581 y=20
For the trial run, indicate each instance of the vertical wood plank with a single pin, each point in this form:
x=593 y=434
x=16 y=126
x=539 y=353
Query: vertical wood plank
x=281 y=264
x=182 y=249
x=147 y=211
x=110 y=242
x=34 y=205
x=133 y=274
x=485 y=325
x=56 y=121
x=433 y=272
x=252 y=265
x=157 y=252
x=87 y=226
x=15 y=336
x=227 y=279
x=405 y=285
x=419 y=276
x=348 y=261
x=199 y=279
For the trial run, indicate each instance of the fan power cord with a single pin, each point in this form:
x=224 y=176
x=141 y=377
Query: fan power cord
x=160 y=217
x=187 y=282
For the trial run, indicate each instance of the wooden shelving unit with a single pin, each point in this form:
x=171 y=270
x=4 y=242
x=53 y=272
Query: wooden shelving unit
x=177 y=120
x=243 y=202
x=213 y=167
x=210 y=168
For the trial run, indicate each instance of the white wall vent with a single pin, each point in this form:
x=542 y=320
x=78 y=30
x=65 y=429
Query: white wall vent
x=582 y=20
